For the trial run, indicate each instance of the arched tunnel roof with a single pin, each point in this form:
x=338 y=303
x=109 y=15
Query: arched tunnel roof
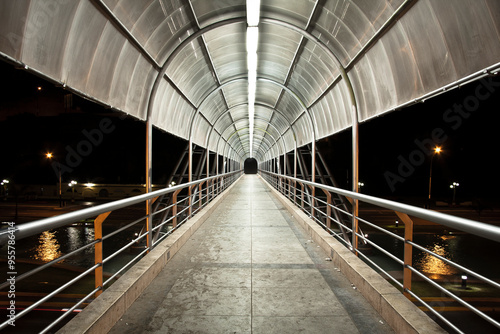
x=183 y=64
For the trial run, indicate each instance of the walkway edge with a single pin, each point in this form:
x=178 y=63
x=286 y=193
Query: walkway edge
x=399 y=312
x=102 y=314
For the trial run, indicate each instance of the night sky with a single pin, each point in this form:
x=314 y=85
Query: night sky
x=394 y=156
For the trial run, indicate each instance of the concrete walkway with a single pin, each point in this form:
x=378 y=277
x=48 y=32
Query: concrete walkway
x=250 y=269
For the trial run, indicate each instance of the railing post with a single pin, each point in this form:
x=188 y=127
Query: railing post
x=98 y=251
x=408 y=249
x=313 y=200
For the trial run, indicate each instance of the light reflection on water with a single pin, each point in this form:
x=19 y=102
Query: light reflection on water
x=55 y=243
x=475 y=253
x=48 y=247
x=434 y=267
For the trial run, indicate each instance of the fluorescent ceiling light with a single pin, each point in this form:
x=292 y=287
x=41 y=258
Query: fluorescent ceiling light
x=252 y=63
x=253 y=12
x=253 y=16
x=252 y=39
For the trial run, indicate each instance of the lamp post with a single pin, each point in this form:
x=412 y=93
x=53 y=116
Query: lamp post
x=4 y=184
x=437 y=150
x=454 y=186
x=73 y=184
x=50 y=156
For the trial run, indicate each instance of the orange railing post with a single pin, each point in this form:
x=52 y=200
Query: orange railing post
x=98 y=272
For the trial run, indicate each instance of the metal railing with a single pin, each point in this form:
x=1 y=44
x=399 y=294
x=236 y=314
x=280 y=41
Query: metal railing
x=321 y=210
x=188 y=199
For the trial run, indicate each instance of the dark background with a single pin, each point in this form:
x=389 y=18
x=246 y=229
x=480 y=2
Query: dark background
x=34 y=122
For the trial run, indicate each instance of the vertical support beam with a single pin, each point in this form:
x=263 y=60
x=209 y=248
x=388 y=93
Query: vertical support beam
x=313 y=177
x=98 y=251
x=190 y=175
x=149 y=167
x=355 y=176
x=295 y=173
x=407 y=252
x=208 y=173
x=217 y=163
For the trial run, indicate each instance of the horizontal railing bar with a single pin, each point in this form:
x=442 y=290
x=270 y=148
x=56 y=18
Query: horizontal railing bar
x=398 y=283
x=38 y=226
x=124 y=247
x=381 y=229
x=456 y=298
x=433 y=311
x=123 y=228
x=69 y=311
x=125 y=266
x=456 y=265
x=481 y=229
x=168 y=220
x=381 y=249
x=50 y=295
x=48 y=264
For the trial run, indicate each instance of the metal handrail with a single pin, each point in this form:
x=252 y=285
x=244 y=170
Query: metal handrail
x=215 y=185
x=466 y=225
x=462 y=224
x=28 y=229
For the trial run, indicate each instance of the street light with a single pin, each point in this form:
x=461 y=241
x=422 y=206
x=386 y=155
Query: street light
x=437 y=150
x=4 y=184
x=454 y=186
x=50 y=156
x=72 y=184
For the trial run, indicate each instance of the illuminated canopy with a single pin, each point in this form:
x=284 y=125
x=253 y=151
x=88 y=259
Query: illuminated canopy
x=183 y=64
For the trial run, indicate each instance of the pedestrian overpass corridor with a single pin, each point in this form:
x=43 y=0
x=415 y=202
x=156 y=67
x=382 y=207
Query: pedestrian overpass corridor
x=250 y=268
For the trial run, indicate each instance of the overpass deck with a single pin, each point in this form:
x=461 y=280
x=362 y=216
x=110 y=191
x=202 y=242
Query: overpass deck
x=250 y=268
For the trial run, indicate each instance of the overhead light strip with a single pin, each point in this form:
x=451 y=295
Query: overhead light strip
x=252 y=41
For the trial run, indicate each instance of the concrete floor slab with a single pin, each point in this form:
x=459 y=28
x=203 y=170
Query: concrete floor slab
x=250 y=269
x=293 y=325
x=202 y=324
x=281 y=257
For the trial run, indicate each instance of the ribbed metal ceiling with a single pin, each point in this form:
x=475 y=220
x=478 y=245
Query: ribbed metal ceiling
x=183 y=63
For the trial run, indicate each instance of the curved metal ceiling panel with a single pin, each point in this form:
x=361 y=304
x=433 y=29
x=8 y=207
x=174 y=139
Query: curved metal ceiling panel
x=201 y=130
x=236 y=93
x=213 y=107
x=199 y=80
x=290 y=107
x=171 y=112
x=311 y=54
x=297 y=12
x=139 y=90
x=277 y=49
x=227 y=50
x=314 y=73
x=267 y=93
x=209 y=12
